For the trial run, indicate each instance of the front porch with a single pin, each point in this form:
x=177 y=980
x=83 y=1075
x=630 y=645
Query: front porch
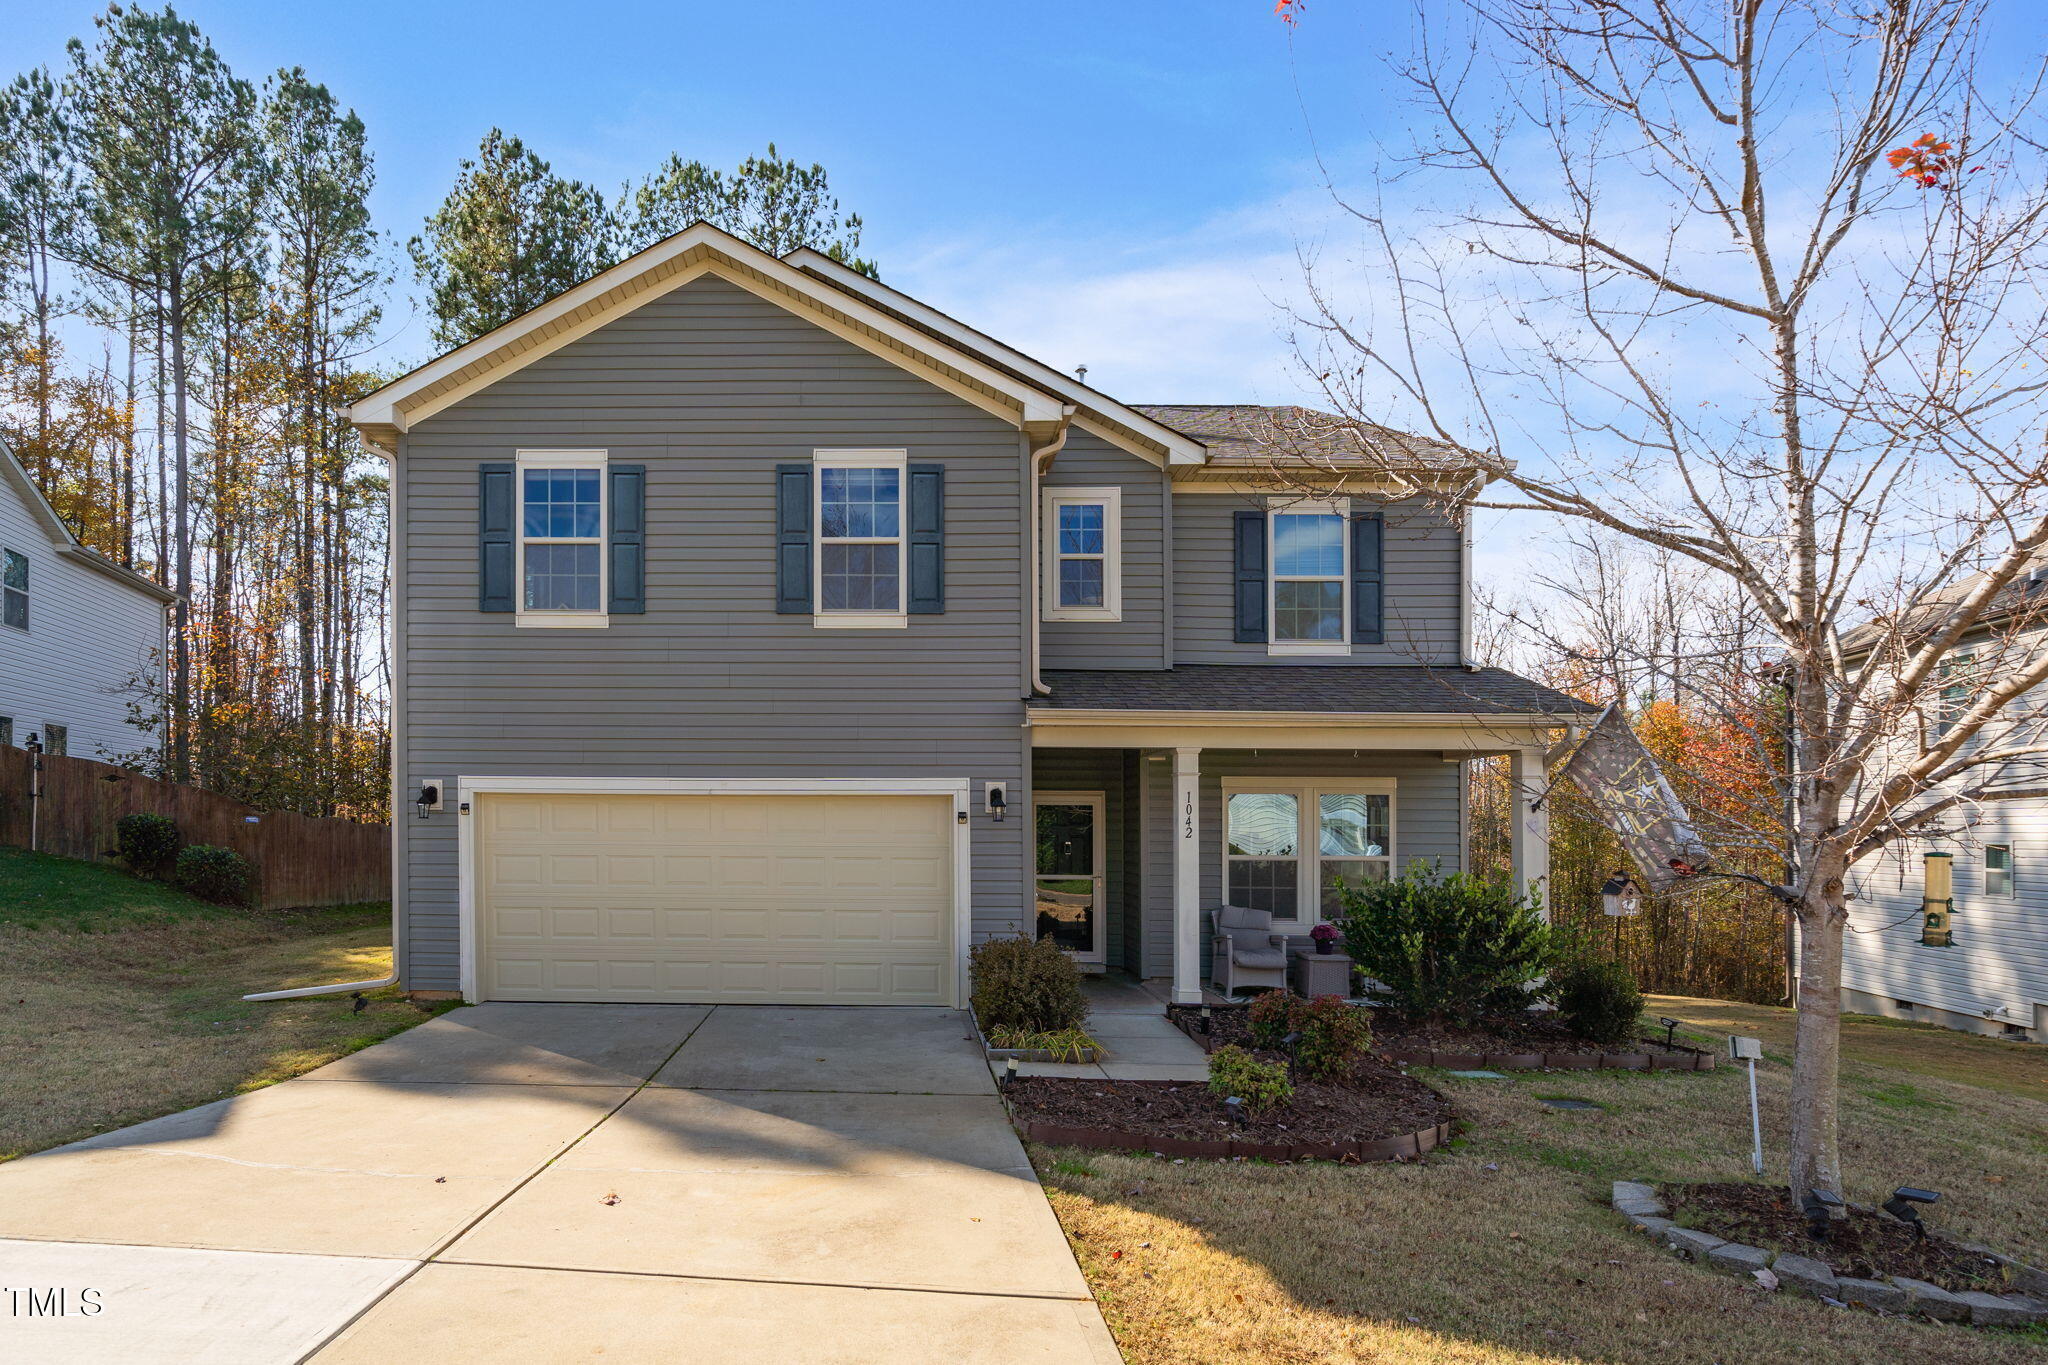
x=1148 y=816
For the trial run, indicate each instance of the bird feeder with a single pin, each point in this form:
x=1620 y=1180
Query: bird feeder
x=1937 y=902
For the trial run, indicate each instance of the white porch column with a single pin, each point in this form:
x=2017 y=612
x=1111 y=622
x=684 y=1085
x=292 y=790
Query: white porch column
x=1187 y=876
x=1529 y=846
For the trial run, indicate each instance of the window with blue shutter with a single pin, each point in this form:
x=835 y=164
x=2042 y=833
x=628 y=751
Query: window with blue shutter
x=1368 y=578
x=495 y=551
x=793 y=539
x=627 y=547
x=927 y=540
x=1250 y=540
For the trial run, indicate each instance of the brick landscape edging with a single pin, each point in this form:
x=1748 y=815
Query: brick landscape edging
x=1895 y=1294
x=1684 y=1059
x=1403 y=1147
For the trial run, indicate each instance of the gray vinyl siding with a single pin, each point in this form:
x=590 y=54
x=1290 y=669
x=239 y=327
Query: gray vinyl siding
x=1427 y=823
x=709 y=387
x=1139 y=639
x=1098 y=770
x=1998 y=964
x=1424 y=588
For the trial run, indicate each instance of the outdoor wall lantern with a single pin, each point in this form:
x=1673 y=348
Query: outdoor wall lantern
x=998 y=802
x=429 y=799
x=1620 y=896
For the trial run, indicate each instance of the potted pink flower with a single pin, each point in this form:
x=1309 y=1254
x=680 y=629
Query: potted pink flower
x=1325 y=936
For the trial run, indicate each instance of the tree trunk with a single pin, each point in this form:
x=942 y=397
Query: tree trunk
x=1817 y=1046
x=181 y=644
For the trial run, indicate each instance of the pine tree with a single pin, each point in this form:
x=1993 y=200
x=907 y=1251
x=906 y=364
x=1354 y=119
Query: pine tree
x=167 y=142
x=510 y=235
x=35 y=187
x=771 y=201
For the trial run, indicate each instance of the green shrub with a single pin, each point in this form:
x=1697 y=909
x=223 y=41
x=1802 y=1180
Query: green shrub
x=148 y=842
x=1066 y=1045
x=1598 y=1000
x=1026 y=984
x=1453 y=948
x=1330 y=1036
x=216 y=874
x=1261 y=1085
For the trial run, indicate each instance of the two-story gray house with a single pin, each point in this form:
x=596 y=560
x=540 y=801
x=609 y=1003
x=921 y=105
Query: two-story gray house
x=768 y=636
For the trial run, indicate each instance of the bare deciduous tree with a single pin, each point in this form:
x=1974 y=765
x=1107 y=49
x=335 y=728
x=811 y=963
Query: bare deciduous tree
x=1651 y=261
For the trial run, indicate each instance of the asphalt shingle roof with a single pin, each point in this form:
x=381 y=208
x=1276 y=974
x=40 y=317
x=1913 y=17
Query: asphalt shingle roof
x=1308 y=688
x=1248 y=435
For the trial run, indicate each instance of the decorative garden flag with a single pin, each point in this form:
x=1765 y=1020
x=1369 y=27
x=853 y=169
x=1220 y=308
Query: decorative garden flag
x=1629 y=792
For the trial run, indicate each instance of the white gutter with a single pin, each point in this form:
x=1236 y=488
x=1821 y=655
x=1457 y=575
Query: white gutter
x=1041 y=465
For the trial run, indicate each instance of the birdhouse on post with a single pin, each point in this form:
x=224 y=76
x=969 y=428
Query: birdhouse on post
x=1620 y=897
x=1938 y=901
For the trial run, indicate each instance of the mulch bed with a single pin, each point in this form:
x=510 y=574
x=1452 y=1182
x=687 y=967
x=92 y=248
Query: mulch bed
x=1529 y=1041
x=1379 y=1113
x=1866 y=1245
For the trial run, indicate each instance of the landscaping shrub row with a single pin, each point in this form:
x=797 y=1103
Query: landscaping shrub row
x=152 y=846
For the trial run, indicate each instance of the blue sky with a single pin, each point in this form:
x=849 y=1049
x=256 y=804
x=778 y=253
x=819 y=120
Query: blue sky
x=1116 y=185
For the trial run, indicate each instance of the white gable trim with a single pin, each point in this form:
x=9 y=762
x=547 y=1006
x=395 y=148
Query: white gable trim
x=674 y=261
x=1108 y=414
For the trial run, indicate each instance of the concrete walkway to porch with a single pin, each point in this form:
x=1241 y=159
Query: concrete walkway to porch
x=1128 y=1017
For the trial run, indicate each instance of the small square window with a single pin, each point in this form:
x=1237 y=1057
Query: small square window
x=1998 y=870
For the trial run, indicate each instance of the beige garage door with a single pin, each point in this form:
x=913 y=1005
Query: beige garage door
x=844 y=900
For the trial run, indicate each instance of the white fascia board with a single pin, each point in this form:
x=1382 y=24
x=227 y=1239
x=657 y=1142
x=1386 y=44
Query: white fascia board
x=1181 y=450
x=1055 y=715
x=386 y=407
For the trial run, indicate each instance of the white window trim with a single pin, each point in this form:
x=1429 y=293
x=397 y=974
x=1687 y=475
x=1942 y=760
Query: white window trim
x=2011 y=872
x=29 y=592
x=1308 y=856
x=1341 y=509
x=1111 y=501
x=561 y=459
x=898 y=460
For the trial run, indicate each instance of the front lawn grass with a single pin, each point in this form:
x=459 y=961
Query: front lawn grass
x=143 y=1015
x=1502 y=1248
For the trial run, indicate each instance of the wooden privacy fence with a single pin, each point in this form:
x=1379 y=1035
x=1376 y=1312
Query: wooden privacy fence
x=300 y=859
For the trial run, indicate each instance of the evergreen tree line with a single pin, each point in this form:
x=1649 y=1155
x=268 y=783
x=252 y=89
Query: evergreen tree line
x=191 y=292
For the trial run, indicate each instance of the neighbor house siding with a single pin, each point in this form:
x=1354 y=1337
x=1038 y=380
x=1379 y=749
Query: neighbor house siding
x=1426 y=824
x=89 y=639
x=1139 y=639
x=709 y=387
x=1424 y=588
x=1996 y=971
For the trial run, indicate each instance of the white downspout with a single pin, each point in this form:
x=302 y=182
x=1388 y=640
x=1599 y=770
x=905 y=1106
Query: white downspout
x=1041 y=465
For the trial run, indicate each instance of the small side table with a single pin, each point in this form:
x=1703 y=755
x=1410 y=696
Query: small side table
x=1310 y=973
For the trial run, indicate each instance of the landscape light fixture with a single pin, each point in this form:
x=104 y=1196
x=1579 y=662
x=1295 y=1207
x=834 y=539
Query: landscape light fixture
x=1235 y=1104
x=1670 y=1027
x=1009 y=1070
x=1819 y=1207
x=1901 y=1207
x=1207 y=1018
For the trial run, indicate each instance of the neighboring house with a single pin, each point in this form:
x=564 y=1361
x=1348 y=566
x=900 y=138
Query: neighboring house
x=769 y=636
x=1992 y=977
x=76 y=631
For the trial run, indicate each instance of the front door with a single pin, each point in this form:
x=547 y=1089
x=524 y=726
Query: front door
x=1070 y=884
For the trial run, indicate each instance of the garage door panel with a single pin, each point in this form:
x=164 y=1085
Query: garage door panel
x=843 y=899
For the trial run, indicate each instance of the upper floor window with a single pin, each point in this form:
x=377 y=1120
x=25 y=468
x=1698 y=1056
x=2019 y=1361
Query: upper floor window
x=860 y=537
x=561 y=537
x=1083 y=554
x=1310 y=579
x=1954 y=673
x=1998 y=869
x=56 y=740
x=14 y=589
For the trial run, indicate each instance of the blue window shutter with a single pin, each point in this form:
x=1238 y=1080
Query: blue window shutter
x=1251 y=578
x=626 y=545
x=495 y=507
x=1368 y=578
x=925 y=541
x=793 y=539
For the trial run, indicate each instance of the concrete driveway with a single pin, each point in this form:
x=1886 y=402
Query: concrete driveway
x=562 y=1182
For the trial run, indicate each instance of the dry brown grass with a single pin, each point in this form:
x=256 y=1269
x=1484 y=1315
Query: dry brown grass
x=100 y=1030
x=1502 y=1250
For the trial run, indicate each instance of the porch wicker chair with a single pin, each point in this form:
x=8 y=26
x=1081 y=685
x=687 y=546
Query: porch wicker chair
x=1244 y=950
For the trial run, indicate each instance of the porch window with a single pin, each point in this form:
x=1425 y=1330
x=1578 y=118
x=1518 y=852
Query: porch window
x=1282 y=839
